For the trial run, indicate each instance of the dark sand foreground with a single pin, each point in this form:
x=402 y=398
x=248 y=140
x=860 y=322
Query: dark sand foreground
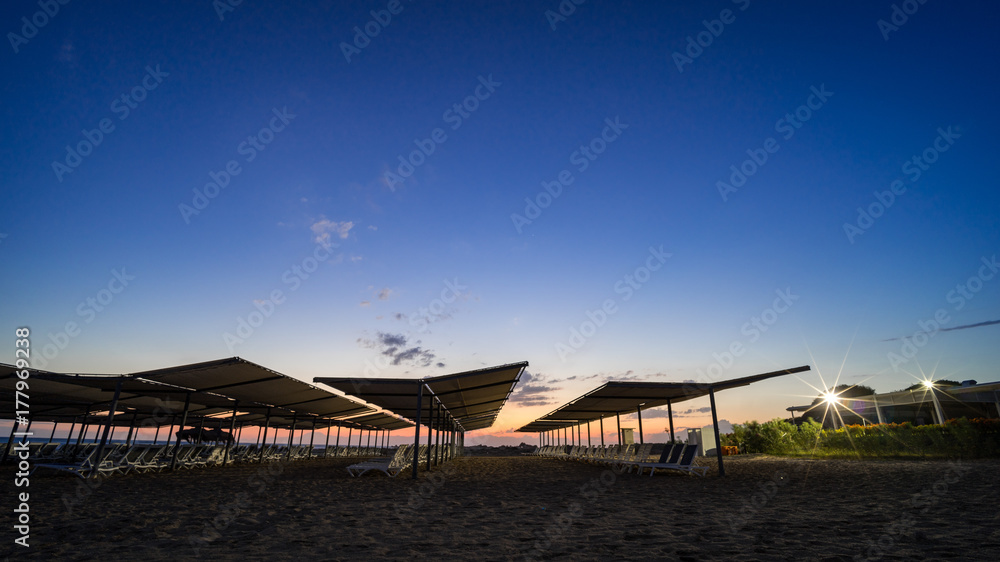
x=521 y=508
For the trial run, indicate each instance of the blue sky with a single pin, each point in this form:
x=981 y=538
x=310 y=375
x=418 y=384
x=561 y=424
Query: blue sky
x=436 y=272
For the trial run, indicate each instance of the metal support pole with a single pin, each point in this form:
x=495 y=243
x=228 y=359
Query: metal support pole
x=670 y=416
x=229 y=442
x=312 y=435
x=337 y=444
x=715 y=426
x=99 y=454
x=416 y=428
x=430 y=433
x=618 y=423
x=10 y=440
x=638 y=412
x=291 y=436
x=177 y=444
x=602 y=431
x=131 y=428
x=437 y=439
x=588 y=433
x=70 y=434
x=263 y=444
x=326 y=448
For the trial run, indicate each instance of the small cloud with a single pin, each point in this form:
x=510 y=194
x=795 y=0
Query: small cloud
x=366 y=303
x=395 y=347
x=399 y=316
x=325 y=229
x=372 y=227
x=356 y=258
x=533 y=390
x=304 y=200
x=384 y=294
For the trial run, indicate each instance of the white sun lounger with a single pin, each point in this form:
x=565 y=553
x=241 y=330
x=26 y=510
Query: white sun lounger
x=391 y=466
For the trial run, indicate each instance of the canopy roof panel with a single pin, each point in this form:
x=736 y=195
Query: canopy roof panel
x=473 y=398
x=616 y=397
x=214 y=388
x=251 y=383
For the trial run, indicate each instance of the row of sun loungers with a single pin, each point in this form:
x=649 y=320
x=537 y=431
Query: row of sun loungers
x=391 y=466
x=400 y=460
x=674 y=457
x=82 y=461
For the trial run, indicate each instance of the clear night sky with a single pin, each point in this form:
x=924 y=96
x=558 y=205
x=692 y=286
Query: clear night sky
x=367 y=204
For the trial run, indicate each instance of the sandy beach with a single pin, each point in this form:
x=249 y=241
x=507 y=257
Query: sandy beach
x=519 y=508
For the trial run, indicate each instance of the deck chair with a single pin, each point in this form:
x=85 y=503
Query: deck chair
x=685 y=464
x=86 y=464
x=671 y=454
x=642 y=453
x=391 y=466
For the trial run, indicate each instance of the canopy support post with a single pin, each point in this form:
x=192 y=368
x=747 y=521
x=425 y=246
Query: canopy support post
x=177 y=441
x=229 y=442
x=416 y=428
x=263 y=444
x=670 y=416
x=715 y=426
x=99 y=454
x=638 y=412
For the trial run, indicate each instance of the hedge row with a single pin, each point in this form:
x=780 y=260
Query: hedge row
x=965 y=438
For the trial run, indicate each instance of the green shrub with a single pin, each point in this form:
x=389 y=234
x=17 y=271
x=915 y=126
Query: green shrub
x=976 y=438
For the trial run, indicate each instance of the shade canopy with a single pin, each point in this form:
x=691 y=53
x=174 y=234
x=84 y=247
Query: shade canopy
x=209 y=389
x=617 y=397
x=253 y=384
x=472 y=398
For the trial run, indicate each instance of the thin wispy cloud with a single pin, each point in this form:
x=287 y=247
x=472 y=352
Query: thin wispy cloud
x=952 y=329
